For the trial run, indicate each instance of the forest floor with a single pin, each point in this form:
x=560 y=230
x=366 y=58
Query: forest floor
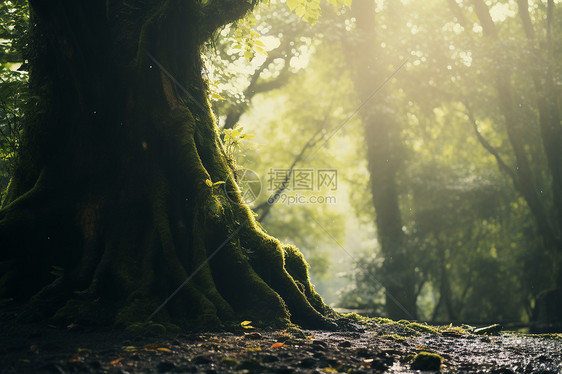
x=378 y=345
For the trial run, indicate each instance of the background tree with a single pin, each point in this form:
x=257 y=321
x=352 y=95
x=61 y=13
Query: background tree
x=381 y=131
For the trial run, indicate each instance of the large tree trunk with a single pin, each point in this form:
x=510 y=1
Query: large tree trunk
x=381 y=137
x=111 y=208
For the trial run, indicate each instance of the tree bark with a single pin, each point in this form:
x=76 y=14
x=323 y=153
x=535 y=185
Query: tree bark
x=112 y=207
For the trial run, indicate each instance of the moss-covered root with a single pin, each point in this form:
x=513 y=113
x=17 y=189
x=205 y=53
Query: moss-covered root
x=427 y=361
x=297 y=267
x=286 y=273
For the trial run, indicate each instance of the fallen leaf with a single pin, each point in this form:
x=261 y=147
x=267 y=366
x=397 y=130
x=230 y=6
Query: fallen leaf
x=368 y=360
x=116 y=361
x=163 y=349
x=130 y=348
x=277 y=345
x=245 y=323
x=253 y=349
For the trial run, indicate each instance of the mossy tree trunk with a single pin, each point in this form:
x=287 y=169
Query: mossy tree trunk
x=110 y=209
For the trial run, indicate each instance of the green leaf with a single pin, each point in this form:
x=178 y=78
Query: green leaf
x=292 y=4
x=249 y=55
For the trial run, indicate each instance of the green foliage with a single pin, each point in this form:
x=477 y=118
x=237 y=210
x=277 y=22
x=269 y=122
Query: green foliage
x=233 y=139
x=310 y=10
x=245 y=40
x=13 y=84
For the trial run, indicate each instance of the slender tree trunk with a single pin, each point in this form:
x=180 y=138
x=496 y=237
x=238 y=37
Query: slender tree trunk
x=381 y=138
x=112 y=207
x=551 y=135
x=549 y=114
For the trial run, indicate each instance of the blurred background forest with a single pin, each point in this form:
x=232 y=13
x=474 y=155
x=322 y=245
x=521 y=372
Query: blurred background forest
x=412 y=152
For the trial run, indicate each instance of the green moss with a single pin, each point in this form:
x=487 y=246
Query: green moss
x=452 y=329
x=295 y=263
x=418 y=327
x=356 y=317
x=394 y=337
x=427 y=361
x=382 y=320
x=230 y=362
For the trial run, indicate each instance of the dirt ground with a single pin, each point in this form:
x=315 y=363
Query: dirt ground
x=377 y=346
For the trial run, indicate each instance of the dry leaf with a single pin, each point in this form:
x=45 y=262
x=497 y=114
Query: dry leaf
x=116 y=361
x=163 y=349
x=277 y=345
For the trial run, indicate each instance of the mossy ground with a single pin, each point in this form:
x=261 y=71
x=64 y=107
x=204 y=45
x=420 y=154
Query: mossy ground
x=360 y=347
